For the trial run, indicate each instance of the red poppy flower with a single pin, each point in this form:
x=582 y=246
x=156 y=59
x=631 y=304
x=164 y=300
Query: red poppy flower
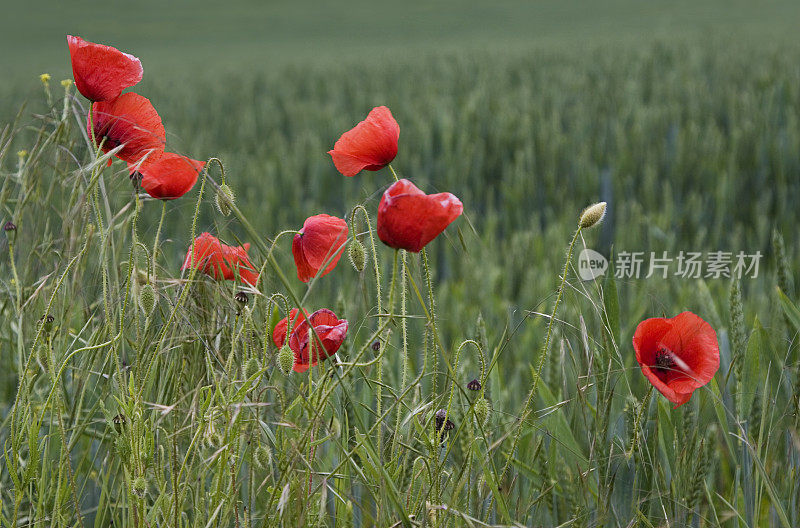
x=167 y=176
x=279 y=332
x=320 y=241
x=409 y=219
x=102 y=72
x=214 y=258
x=331 y=332
x=129 y=120
x=370 y=145
x=677 y=355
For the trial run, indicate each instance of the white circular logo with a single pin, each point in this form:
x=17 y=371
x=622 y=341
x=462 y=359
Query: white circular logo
x=591 y=264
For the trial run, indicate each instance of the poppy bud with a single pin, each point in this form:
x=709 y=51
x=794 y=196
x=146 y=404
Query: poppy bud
x=225 y=199
x=9 y=227
x=263 y=456
x=141 y=256
x=47 y=323
x=482 y=410
x=251 y=368
x=358 y=257
x=139 y=487
x=147 y=299
x=474 y=385
x=592 y=215
x=285 y=359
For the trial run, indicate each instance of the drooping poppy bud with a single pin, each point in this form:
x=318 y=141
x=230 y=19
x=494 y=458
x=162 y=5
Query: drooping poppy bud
x=327 y=329
x=129 y=120
x=167 y=176
x=677 y=355
x=318 y=244
x=220 y=261
x=357 y=255
x=224 y=199
x=147 y=299
x=102 y=72
x=409 y=219
x=370 y=145
x=285 y=359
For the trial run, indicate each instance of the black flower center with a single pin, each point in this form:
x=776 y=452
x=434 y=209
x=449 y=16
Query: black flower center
x=664 y=360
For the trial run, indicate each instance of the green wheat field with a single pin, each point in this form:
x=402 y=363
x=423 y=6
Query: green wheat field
x=683 y=116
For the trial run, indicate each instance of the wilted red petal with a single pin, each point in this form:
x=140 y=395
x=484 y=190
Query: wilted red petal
x=689 y=342
x=321 y=240
x=409 y=219
x=220 y=261
x=370 y=145
x=129 y=120
x=168 y=176
x=102 y=72
x=330 y=330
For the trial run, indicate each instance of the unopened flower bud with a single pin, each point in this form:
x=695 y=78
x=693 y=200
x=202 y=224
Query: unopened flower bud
x=251 y=368
x=482 y=410
x=357 y=254
x=592 y=215
x=147 y=299
x=225 y=199
x=141 y=256
x=263 y=456
x=139 y=487
x=285 y=359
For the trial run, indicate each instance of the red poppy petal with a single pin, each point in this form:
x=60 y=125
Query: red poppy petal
x=170 y=176
x=647 y=337
x=321 y=240
x=131 y=121
x=694 y=341
x=411 y=220
x=102 y=72
x=370 y=145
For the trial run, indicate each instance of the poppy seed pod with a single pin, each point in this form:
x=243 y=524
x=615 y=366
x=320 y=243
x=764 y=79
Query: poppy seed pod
x=47 y=323
x=592 y=215
x=474 y=385
x=241 y=299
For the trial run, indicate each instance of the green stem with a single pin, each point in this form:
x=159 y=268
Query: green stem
x=526 y=410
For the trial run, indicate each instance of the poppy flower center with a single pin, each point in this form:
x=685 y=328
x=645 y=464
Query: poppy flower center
x=664 y=360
